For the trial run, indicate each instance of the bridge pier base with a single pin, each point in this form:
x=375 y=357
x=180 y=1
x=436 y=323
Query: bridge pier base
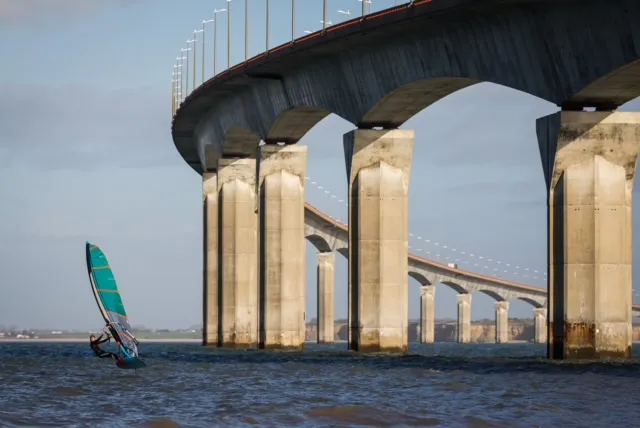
x=540 y=325
x=378 y=171
x=427 y=313
x=464 y=318
x=502 y=322
x=326 y=304
x=589 y=161
x=210 y=259
x=282 y=262
x=238 y=258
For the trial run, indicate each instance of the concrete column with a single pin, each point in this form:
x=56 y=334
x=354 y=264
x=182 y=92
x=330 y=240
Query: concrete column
x=464 y=318
x=540 y=325
x=502 y=322
x=282 y=263
x=427 y=313
x=326 y=305
x=589 y=161
x=210 y=259
x=238 y=258
x=378 y=171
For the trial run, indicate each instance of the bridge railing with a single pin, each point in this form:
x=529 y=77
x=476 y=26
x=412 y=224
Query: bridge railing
x=189 y=67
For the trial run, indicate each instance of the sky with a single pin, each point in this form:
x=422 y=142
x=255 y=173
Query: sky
x=86 y=154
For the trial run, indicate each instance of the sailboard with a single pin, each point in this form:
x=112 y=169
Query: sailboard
x=105 y=290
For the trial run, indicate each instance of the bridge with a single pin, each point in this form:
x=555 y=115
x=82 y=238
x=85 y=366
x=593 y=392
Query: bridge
x=240 y=130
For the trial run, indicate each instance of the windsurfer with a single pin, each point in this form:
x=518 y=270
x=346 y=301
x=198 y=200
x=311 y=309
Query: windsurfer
x=95 y=346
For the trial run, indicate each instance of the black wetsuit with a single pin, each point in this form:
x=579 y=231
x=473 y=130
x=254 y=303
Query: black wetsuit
x=95 y=345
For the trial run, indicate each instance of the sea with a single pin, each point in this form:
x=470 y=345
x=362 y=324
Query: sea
x=436 y=385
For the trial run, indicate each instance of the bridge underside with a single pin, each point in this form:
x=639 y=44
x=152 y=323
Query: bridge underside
x=574 y=54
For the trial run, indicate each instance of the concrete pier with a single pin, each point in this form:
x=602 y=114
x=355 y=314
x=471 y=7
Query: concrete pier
x=210 y=259
x=326 y=304
x=282 y=278
x=464 y=318
x=589 y=161
x=427 y=313
x=502 y=322
x=540 y=325
x=378 y=171
x=238 y=258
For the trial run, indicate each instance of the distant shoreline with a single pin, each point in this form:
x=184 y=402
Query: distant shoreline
x=179 y=340
x=81 y=340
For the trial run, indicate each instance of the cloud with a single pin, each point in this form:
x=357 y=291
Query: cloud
x=80 y=127
x=22 y=12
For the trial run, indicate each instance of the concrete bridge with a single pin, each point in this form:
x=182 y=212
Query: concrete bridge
x=328 y=236
x=377 y=72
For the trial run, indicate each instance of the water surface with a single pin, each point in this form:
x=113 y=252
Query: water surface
x=186 y=385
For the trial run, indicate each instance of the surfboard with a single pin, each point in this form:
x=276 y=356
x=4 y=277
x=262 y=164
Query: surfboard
x=107 y=295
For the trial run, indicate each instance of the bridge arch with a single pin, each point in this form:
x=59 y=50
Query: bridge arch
x=292 y=124
x=319 y=242
x=344 y=251
x=496 y=296
x=455 y=286
x=606 y=92
x=530 y=301
x=419 y=277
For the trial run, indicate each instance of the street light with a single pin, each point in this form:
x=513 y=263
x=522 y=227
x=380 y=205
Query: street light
x=364 y=12
x=215 y=40
x=186 y=77
x=324 y=14
x=293 y=20
x=195 y=43
x=267 y=38
x=246 y=30
x=204 y=21
x=229 y=36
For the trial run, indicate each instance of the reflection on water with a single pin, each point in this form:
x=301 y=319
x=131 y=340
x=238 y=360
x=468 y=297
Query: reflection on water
x=186 y=385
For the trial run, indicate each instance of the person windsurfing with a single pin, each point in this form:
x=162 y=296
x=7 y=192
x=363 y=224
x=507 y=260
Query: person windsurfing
x=95 y=346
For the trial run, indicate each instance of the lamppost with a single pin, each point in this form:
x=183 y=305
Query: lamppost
x=246 y=30
x=195 y=43
x=205 y=21
x=229 y=35
x=215 y=40
x=186 y=77
x=293 y=20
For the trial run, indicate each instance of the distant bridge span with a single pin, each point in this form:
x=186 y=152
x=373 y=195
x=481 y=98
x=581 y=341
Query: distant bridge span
x=328 y=234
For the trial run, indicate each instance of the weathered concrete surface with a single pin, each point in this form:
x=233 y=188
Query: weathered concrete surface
x=464 y=318
x=238 y=258
x=502 y=322
x=326 y=300
x=282 y=279
x=570 y=55
x=427 y=313
x=540 y=325
x=589 y=160
x=210 y=259
x=378 y=171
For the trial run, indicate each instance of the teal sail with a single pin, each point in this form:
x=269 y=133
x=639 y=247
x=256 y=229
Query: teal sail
x=107 y=295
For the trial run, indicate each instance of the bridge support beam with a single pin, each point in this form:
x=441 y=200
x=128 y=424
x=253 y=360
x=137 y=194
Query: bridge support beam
x=589 y=160
x=464 y=318
x=282 y=277
x=540 y=325
x=210 y=259
x=238 y=258
x=378 y=172
x=326 y=305
x=502 y=322
x=427 y=313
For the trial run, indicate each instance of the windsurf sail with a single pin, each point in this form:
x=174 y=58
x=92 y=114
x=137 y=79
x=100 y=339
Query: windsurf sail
x=105 y=290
